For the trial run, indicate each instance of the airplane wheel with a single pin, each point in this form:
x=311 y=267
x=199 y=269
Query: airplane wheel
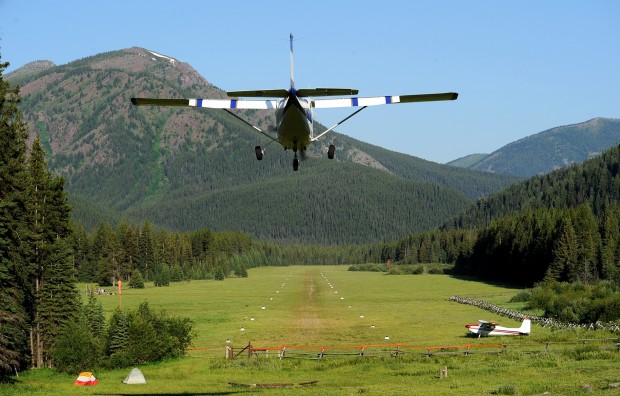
x=295 y=164
x=331 y=151
x=259 y=152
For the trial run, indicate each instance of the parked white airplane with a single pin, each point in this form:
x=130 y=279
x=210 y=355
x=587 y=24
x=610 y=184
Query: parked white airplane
x=294 y=109
x=484 y=328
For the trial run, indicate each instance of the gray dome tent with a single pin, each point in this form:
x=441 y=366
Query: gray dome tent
x=135 y=376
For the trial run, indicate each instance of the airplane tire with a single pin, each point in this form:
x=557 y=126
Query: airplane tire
x=259 y=152
x=295 y=164
x=331 y=151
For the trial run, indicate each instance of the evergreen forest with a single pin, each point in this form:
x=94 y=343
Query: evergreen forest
x=143 y=220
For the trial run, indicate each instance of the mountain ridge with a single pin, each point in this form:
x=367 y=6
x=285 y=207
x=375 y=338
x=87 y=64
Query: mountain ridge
x=136 y=161
x=548 y=150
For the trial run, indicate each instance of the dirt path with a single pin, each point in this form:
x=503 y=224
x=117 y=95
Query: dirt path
x=307 y=311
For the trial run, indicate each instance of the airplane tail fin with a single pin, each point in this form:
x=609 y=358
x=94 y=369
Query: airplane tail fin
x=292 y=79
x=525 y=326
x=283 y=93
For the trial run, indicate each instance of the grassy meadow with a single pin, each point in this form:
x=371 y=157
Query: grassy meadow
x=341 y=311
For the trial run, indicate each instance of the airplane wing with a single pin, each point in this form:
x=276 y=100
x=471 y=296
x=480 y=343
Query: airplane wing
x=381 y=100
x=208 y=103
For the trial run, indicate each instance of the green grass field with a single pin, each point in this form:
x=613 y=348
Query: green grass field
x=342 y=311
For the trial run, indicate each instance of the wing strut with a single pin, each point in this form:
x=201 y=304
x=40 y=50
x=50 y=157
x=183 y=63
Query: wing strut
x=253 y=126
x=338 y=123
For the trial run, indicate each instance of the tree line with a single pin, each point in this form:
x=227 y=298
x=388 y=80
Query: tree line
x=37 y=281
x=40 y=305
x=565 y=245
x=563 y=227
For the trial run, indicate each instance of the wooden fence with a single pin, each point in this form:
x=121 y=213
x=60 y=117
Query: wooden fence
x=396 y=350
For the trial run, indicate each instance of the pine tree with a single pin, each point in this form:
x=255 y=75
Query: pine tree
x=588 y=243
x=128 y=239
x=118 y=333
x=145 y=259
x=95 y=318
x=137 y=281
x=38 y=181
x=52 y=297
x=82 y=255
x=58 y=301
x=610 y=260
x=106 y=253
x=219 y=273
x=564 y=265
x=13 y=272
x=76 y=348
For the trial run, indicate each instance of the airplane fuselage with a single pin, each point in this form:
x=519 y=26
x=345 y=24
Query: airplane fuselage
x=485 y=329
x=294 y=122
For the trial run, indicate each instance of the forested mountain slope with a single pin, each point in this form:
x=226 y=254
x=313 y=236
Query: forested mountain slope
x=596 y=181
x=122 y=161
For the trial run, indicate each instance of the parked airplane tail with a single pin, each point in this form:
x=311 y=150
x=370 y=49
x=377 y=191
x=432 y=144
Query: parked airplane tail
x=526 y=326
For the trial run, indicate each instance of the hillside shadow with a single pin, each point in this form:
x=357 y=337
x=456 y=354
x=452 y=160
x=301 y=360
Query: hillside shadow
x=474 y=279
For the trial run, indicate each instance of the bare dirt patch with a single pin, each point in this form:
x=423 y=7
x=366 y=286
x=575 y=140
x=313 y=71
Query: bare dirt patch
x=307 y=312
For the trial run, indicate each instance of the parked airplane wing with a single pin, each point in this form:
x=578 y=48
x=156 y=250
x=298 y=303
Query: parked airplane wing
x=381 y=100
x=208 y=103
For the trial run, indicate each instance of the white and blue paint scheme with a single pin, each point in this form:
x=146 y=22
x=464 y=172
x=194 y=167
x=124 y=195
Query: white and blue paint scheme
x=486 y=329
x=294 y=109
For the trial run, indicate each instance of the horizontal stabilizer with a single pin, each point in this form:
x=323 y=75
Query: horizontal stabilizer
x=381 y=100
x=259 y=93
x=208 y=103
x=283 y=93
x=326 y=91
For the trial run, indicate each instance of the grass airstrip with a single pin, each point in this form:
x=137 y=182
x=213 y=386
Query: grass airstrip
x=405 y=326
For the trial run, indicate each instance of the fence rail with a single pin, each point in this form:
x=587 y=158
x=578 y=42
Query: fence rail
x=396 y=350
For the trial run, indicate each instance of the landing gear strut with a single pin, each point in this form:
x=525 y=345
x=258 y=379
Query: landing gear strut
x=259 y=152
x=295 y=162
x=331 y=151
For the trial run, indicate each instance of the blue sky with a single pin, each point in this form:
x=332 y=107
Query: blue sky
x=520 y=67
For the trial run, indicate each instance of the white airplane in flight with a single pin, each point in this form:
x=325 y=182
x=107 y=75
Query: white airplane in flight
x=294 y=109
x=484 y=329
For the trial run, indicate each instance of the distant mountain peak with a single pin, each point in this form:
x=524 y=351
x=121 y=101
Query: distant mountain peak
x=550 y=149
x=194 y=168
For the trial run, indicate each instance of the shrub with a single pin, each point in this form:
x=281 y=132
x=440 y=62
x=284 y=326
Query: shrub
x=149 y=337
x=76 y=349
x=162 y=277
x=136 y=281
x=219 y=274
x=522 y=296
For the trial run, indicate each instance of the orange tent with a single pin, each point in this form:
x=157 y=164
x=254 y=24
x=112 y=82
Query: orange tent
x=86 y=378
